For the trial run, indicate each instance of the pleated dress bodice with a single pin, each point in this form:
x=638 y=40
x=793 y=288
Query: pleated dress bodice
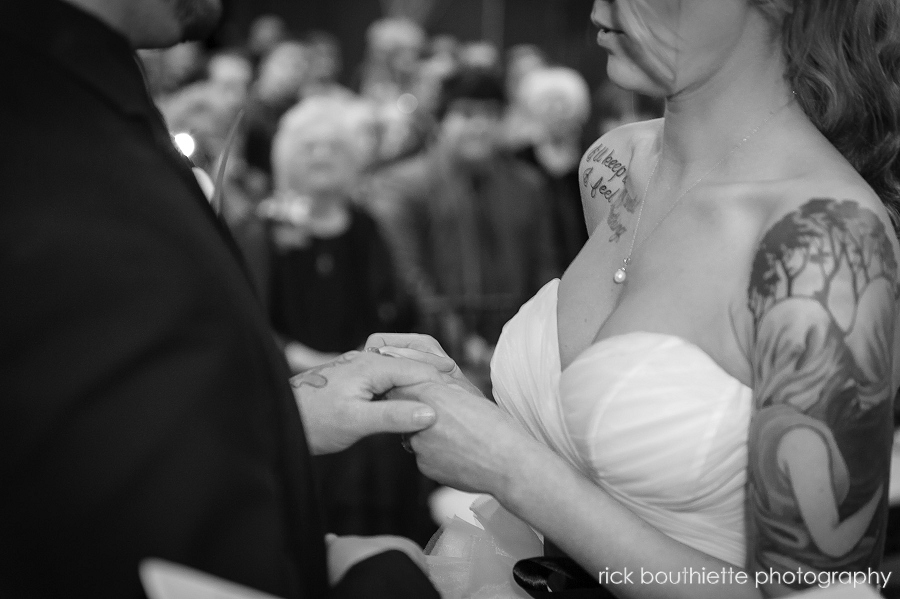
x=650 y=418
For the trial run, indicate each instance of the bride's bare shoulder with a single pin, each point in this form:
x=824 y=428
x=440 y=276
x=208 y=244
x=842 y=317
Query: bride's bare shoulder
x=609 y=164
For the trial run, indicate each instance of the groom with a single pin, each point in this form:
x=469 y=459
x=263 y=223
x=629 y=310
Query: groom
x=146 y=410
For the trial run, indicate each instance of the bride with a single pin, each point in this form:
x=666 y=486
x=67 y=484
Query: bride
x=709 y=385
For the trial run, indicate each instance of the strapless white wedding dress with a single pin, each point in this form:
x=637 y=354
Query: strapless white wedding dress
x=650 y=418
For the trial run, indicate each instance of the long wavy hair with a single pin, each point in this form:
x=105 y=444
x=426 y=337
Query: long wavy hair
x=843 y=62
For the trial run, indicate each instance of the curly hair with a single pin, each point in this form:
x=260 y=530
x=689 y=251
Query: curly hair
x=843 y=61
x=347 y=119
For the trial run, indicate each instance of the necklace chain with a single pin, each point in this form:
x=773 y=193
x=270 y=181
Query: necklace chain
x=621 y=274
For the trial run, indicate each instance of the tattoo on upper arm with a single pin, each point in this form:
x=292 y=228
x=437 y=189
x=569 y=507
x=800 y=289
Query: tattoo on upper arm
x=314 y=377
x=609 y=185
x=823 y=296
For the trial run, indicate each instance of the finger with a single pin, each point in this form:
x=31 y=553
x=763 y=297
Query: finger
x=416 y=341
x=396 y=416
x=442 y=363
x=382 y=373
x=431 y=393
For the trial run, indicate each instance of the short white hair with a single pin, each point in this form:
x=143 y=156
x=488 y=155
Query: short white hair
x=556 y=84
x=349 y=117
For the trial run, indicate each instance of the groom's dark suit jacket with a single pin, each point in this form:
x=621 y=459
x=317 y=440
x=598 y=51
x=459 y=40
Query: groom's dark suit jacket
x=144 y=408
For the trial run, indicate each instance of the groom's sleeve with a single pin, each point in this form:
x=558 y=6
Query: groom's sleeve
x=387 y=574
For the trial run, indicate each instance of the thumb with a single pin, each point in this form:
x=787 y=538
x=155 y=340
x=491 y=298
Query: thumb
x=396 y=416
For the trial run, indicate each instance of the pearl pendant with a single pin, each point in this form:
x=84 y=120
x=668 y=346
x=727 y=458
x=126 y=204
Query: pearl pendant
x=620 y=276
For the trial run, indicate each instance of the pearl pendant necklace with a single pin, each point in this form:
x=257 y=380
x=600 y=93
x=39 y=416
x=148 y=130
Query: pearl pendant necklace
x=621 y=274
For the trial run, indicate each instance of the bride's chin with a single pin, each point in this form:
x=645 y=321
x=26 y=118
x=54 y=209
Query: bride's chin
x=627 y=75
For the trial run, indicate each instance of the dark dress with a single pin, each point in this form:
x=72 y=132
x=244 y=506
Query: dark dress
x=330 y=296
x=334 y=293
x=146 y=410
x=569 y=229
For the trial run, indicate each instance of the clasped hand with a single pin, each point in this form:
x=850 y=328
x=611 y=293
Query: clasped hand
x=335 y=399
x=473 y=445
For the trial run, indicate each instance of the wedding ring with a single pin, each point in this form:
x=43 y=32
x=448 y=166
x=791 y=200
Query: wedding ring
x=404 y=442
x=374 y=350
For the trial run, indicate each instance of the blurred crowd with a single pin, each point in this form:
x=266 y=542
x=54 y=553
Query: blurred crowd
x=435 y=192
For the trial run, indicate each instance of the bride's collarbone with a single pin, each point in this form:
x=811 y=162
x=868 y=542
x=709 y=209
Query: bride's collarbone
x=693 y=303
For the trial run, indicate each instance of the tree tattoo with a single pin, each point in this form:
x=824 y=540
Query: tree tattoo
x=823 y=296
x=314 y=378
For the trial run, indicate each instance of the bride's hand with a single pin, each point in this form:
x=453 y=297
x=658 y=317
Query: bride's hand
x=422 y=348
x=473 y=444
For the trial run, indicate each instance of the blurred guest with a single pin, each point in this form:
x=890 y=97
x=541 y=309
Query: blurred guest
x=480 y=55
x=324 y=65
x=394 y=47
x=444 y=46
x=441 y=62
x=470 y=224
x=520 y=127
x=557 y=101
x=232 y=72
x=277 y=88
x=402 y=129
x=390 y=79
x=521 y=59
x=333 y=284
x=266 y=32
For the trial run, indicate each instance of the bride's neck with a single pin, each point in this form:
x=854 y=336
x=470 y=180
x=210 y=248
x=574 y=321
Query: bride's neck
x=705 y=123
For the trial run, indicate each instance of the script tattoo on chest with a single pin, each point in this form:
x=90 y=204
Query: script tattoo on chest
x=610 y=184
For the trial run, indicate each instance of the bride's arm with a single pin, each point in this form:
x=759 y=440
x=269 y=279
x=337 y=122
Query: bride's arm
x=476 y=446
x=822 y=298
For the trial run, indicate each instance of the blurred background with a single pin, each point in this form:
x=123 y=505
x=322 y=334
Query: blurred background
x=560 y=27
x=394 y=166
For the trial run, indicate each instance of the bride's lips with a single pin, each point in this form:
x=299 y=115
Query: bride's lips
x=608 y=37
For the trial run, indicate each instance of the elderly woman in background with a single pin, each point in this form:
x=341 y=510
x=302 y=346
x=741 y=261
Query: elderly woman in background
x=332 y=276
x=333 y=284
x=556 y=101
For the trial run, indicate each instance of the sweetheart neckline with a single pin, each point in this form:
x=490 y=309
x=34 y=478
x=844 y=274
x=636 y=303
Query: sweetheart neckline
x=600 y=342
x=684 y=342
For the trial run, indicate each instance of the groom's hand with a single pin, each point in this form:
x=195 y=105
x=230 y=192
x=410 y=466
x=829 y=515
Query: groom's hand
x=335 y=399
